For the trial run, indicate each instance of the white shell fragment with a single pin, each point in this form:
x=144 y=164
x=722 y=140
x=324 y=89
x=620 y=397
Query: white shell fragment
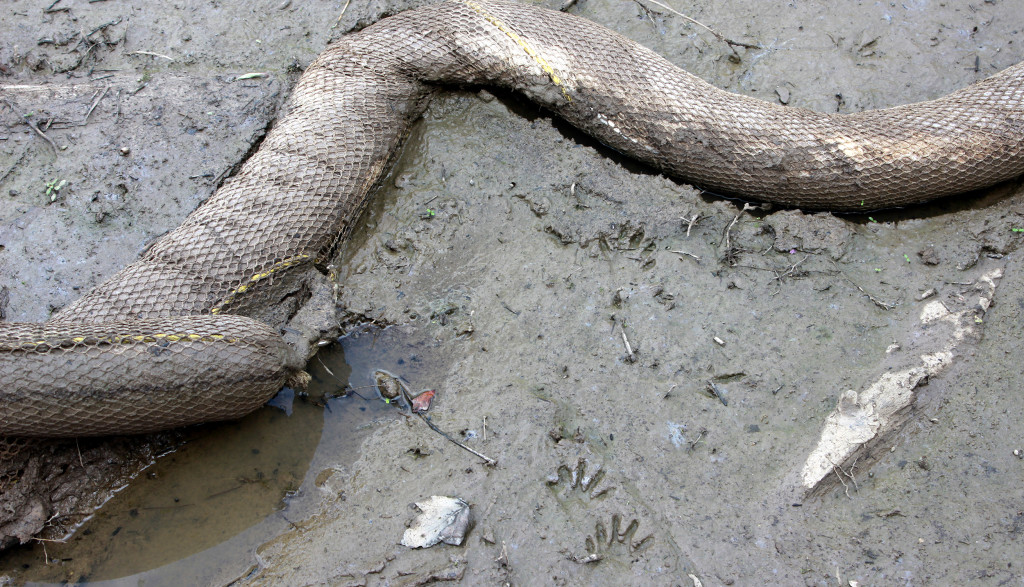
x=443 y=519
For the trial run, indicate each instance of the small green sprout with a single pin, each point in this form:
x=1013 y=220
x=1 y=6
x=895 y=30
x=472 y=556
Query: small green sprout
x=907 y=257
x=53 y=188
x=431 y=212
x=878 y=269
x=1016 y=229
x=872 y=219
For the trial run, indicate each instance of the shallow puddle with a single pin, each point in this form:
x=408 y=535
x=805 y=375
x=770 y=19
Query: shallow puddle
x=198 y=514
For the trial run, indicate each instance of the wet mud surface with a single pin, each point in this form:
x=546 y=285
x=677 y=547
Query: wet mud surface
x=649 y=365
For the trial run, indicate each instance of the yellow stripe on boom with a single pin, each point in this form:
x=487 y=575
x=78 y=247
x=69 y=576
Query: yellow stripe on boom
x=523 y=43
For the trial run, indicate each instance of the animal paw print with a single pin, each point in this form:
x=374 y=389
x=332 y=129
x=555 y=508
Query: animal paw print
x=577 y=479
x=607 y=540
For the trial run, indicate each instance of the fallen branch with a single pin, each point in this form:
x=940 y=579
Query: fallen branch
x=407 y=398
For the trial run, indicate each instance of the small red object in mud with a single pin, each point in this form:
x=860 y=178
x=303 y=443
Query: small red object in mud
x=421 y=403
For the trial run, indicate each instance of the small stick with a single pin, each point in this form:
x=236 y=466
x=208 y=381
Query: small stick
x=151 y=54
x=716 y=392
x=695 y=257
x=94 y=104
x=408 y=400
x=874 y=300
x=490 y=462
x=40 y=133
x=840 y=472
x=226 y=491
x=503 y=556
x=102 y=26
x=507 y=307
x=728 y=230
x=700 y=436
x=343 y=9
x=717 y=34
x=791 y=269
x=625 y=341
x=690 y=222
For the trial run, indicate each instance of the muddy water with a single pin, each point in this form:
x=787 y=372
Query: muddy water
x=196 y=514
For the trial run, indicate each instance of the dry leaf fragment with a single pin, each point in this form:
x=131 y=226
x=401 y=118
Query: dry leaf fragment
x=443 y=519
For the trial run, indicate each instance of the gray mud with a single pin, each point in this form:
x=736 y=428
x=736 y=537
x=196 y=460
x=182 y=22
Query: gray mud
x=517 y=258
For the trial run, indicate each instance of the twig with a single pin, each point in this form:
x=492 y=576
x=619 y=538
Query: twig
x=343 y=9
x=791 y=271
x=226 y=491
x=101 y=27
x=408 y=401
x=507 y=307
x=729 y=257
x=625 y=341
x=95 y=103
x=40 y=133
x=717 y=392
x=326 y=368
x=700 y=436
x=669 y=392
x=792 y=268
x=839 y=472
x=695 y=257
x=690 y=222
x=874 y=300
x=151 y=54
x=717 y=34
x=490 y=462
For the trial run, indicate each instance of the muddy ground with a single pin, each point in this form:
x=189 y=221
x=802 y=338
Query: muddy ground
x=513 y=259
